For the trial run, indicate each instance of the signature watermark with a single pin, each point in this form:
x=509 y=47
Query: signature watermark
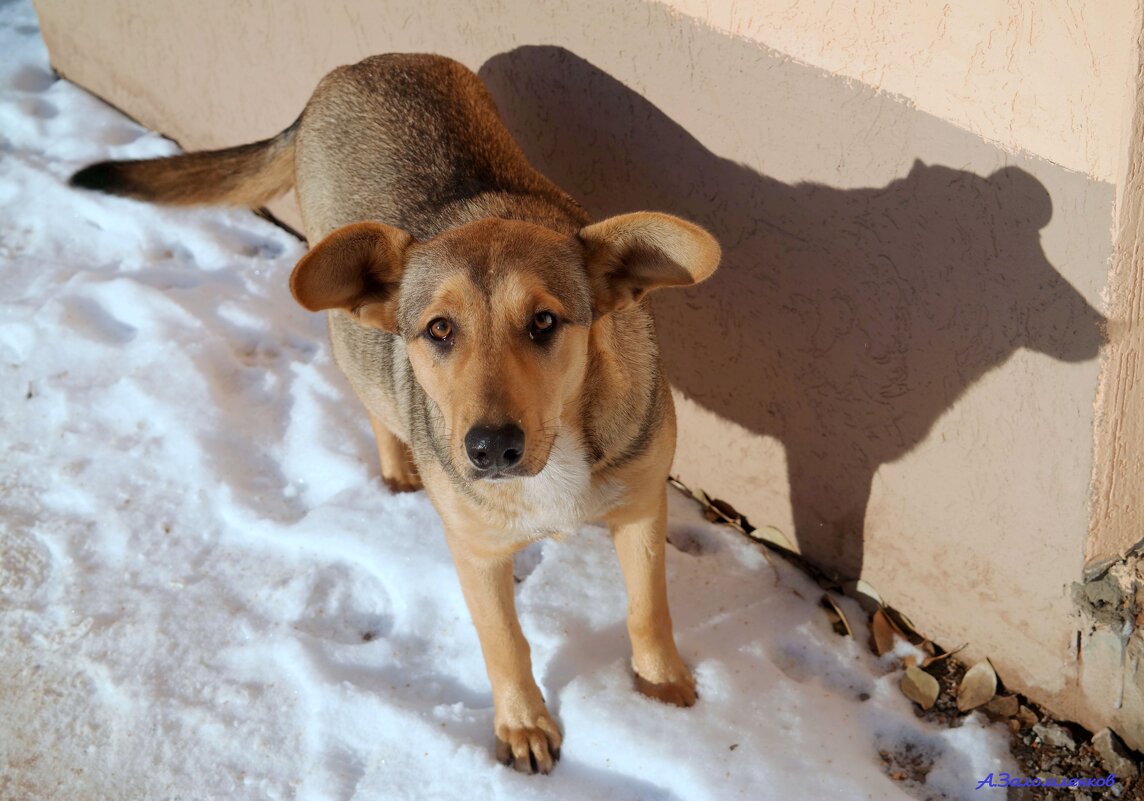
x=1005 y=780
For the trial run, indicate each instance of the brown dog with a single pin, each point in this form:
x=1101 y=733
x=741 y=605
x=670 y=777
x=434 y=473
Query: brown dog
x=499 y=342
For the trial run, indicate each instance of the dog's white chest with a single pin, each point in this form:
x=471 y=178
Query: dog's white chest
x=560 y=497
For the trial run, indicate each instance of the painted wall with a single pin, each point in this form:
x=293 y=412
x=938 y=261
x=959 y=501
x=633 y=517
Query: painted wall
x=1054 y=78
x=898 y=361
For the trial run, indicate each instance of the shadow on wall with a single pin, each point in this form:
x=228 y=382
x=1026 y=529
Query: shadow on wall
x=842 y=322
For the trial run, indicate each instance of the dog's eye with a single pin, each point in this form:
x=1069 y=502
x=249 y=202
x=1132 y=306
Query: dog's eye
x=543 y=323
x=440 y=330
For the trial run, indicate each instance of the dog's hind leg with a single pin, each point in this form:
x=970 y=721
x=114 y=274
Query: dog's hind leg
x=640 y=535
x=397 y=467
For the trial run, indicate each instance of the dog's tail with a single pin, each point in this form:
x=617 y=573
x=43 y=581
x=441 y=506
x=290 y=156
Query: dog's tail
x=247 y=175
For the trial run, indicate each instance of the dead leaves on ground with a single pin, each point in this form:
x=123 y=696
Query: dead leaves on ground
x=978 y=687
x=887 y=626
x=719 y=511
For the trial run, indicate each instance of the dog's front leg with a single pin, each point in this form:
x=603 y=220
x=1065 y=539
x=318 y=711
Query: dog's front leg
x=527 y=736
x=639 y=532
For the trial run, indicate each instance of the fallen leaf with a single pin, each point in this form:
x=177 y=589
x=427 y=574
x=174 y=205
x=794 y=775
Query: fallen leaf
x=774 y=537
x=865 y=594
x=882 y=633
x=1002 y=706
x=920 y=687
x=727 y=510
x=929 y=646
x=679 y=485
x=977 y=687
x=904 y=625
x=839 y=622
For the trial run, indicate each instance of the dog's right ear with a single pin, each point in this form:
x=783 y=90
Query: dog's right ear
x=358 y=268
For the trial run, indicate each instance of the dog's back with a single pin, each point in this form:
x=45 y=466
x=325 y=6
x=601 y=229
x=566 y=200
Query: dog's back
x=415 y=141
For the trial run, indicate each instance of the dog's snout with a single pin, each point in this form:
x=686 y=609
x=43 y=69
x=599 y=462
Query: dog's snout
x=494 y=449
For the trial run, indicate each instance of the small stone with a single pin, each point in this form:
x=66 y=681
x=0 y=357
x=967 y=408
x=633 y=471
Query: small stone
x=1114 y=755
x=1027 y=716
x=1054 y=735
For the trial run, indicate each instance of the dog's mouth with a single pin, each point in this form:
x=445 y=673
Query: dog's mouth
x=494 y=475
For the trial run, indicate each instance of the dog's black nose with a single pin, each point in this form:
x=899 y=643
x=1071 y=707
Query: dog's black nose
x=492 y=449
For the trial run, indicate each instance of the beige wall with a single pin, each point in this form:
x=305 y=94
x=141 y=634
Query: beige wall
x=1050 y=78
x=897 y=363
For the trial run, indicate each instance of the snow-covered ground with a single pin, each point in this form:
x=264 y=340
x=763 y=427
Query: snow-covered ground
x=205 y=592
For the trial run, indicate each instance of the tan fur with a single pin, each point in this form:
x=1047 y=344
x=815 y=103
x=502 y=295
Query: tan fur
x=465 y=294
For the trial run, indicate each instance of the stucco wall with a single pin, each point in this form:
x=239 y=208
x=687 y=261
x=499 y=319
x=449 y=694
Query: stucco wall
x=1050 y=78
x=898 y=361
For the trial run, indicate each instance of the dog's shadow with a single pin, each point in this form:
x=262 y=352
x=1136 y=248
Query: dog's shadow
x=843 y=322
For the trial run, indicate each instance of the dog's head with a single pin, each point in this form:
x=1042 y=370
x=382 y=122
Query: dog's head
x=496 y=315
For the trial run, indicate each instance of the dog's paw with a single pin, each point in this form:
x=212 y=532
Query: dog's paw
x=406 y=482
x=529 y=748
x=400 y=474
x=677 y=689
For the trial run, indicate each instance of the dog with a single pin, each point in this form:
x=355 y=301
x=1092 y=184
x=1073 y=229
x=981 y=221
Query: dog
x=499 y=340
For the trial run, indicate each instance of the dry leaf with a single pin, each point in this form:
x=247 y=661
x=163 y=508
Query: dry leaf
x=977 y=687
x=727 y=510
x=1002 y=706
x=774 y=537
x=920 y=687
x=839 y=622
x=865 y=594
x=882 y=633
x=929 y=646
x=904 y=625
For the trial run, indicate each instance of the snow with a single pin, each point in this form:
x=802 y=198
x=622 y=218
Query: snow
x=206 y=593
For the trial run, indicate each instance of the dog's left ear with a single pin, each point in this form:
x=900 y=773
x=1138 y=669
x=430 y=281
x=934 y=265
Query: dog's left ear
x=629 y=255
x=358 y=268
